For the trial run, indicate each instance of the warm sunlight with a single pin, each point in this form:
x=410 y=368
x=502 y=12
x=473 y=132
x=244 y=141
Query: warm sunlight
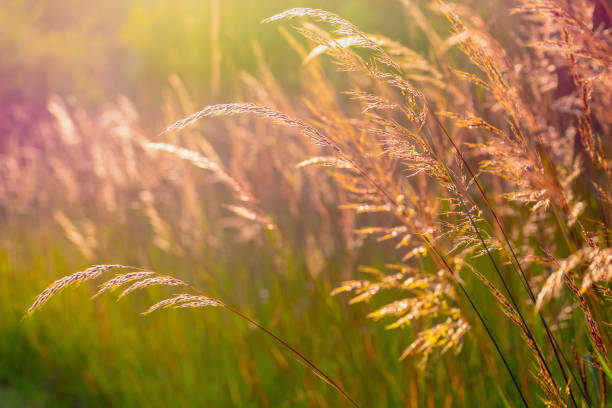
x=210 y=203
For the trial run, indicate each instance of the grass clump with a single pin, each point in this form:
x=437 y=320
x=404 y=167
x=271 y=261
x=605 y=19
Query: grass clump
x=477 y=176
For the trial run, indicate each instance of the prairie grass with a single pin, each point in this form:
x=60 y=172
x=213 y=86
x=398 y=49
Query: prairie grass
x=460 y=195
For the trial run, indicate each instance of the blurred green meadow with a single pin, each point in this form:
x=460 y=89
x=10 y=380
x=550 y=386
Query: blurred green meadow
x=93 y=51
x=84 y=87
x=101 y=353
x=79 y=352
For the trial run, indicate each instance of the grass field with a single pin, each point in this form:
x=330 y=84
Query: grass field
x=400 y=203
x=100 y=353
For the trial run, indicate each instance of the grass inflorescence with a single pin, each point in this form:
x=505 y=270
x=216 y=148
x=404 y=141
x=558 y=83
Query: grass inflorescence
x=471 y=176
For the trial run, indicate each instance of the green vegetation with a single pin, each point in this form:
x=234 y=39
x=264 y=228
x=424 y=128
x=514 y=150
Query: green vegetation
x=451 y=176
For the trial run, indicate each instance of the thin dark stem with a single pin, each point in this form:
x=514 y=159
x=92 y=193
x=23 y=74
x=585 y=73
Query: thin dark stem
x=514 y=303
x=489 y=333
x=522 y=274
x=499 y=274
x=303 y=358
x=388 y=196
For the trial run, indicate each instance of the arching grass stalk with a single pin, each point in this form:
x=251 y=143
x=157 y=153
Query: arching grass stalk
x=143 y=278
x=319 y=372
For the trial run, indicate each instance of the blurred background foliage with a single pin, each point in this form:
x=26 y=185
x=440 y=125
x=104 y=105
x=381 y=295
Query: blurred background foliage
x=100 y=353
x=93 y=50
x=81 y=83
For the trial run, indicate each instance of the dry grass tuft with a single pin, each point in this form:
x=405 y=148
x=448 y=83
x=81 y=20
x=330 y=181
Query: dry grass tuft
x=121 y=280
x=494 y=171
x=184 y=300
x=179 y=301
x=154 y=281
x=74 y=279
